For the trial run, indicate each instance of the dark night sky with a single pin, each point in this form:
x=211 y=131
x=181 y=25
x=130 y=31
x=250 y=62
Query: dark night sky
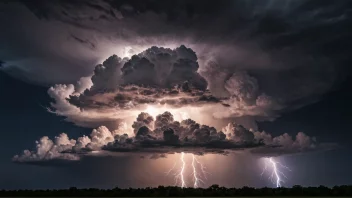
x=305 y=65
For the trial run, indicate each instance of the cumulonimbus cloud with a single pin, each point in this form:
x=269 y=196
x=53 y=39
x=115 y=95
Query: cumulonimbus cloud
x=267 y=55
x=163 y=135
x=164 y=78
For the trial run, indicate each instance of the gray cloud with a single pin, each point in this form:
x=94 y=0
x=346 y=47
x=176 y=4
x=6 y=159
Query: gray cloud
x=166 y=136
x=289 y=145
x=107 y=75
x=164 y=78
x=164 y=68
x=240 y=34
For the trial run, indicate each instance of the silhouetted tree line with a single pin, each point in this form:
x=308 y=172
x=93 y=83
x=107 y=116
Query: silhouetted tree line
x=172 y=191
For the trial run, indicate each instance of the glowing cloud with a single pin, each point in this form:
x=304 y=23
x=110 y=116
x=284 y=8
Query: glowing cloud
x=164 y=135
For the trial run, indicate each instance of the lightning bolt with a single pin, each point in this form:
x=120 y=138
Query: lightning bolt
x=276 y=174
x=169 y=171
x=202 y=167
x=183 y=183
x=198 y=174
x=179 y=175
x=195 y=174
x=275 y=171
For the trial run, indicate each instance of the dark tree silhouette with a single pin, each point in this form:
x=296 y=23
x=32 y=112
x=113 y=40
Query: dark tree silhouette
x=173 y=191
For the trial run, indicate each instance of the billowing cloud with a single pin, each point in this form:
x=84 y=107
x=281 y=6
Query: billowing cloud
x=160 y=77
x=47 y=150
x=107 y=75
x=286 y=144
x=163 y=135
x=164 y=68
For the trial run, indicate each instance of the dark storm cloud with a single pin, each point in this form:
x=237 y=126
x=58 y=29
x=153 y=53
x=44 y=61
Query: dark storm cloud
x=286 y=144
x=163 y=67
x=289 y=52
x=294 y=43
x=155 y=67
x=107 y=75
x=161 y=77
x=272 y=24
x=130 y=97
x=165 y=136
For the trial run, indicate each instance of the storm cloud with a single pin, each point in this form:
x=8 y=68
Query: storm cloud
x=295 y=43
x=163 y=135
x=205 y=63
x=151 y=79
x=259 y=58
x=161 y=78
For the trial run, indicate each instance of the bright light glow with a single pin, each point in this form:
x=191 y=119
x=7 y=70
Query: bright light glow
x=152 y=111
x=123 y=128
x=276 y=174
x=178 y=114
x=128 y=52
x=123 y=49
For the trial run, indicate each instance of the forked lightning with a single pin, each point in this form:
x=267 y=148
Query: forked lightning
x=197 y=174
x=276 y=174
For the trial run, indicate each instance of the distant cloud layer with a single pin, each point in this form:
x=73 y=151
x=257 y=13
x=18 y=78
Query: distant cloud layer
x=163 y=135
